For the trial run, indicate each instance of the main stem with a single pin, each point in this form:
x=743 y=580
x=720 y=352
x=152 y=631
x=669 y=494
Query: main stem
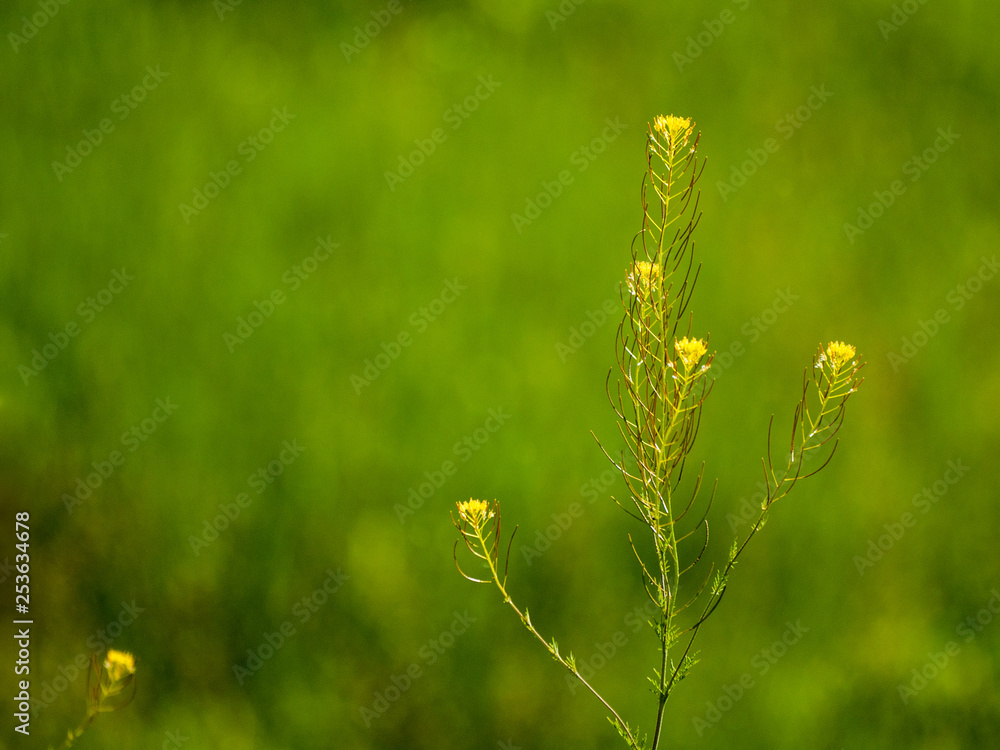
x=665 y=582
x=663 y=484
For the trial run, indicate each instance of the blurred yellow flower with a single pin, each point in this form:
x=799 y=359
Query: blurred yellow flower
x=119 y=665
x=690 y=350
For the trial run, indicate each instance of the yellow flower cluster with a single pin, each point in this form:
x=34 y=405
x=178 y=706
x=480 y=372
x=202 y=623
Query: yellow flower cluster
x=690 y=351
x=644 y=277
x=110 y=684
x=475 y=512
x=839 y=353
x=675 y=128
x=119 y=665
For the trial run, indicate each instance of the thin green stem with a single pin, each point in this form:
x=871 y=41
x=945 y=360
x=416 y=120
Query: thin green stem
x=71 y=737
x=527 y=623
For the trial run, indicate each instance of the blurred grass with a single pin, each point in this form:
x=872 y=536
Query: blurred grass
x=494 y=347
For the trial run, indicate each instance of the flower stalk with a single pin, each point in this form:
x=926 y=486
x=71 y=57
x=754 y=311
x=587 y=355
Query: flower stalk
x=662 y=385
x=110 y=685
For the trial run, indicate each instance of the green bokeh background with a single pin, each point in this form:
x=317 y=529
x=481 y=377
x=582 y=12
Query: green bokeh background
x=494 y=347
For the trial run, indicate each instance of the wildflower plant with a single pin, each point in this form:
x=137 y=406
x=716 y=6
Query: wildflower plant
x=110 y=685
x=662 y=384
